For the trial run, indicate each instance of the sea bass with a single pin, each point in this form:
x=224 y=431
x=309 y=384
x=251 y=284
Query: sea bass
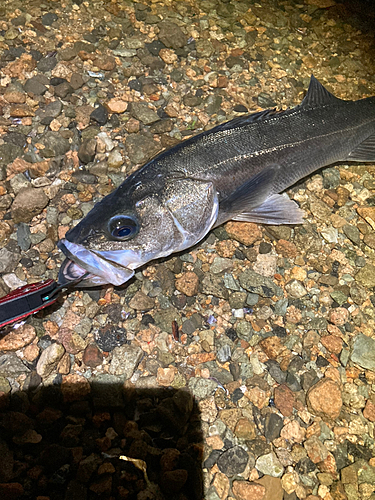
x=235 y=171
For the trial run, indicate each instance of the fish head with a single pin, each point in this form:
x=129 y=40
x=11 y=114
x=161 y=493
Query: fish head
x=131 y=227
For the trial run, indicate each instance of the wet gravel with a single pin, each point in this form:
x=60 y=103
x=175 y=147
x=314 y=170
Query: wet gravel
x=243 y=368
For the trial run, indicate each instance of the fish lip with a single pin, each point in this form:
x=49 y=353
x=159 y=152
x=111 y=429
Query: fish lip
x=81 y=260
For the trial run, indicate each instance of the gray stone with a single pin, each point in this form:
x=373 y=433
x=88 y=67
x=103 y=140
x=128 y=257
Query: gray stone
x=125 y=360
x=23 y=236
x=171 y=35
x=8 y=153
x=233 y=461
x=213 y=285
x=237 y=300
x=221 y=264
x=142 y=112
x=244 y=330
x=55 y=144
x=12 y=366
x=8 y=260
x=352 y=233
x=34 y=86
x=164 y=318
x=269 y=465
x=18 y=182
x=261 y=285
x=295 y=289
x=28 y=203
x=202 y=388
x=281 y=307
x=364 y=352
x=141 y=147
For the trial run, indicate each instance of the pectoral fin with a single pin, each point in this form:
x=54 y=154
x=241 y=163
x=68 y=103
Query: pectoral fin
x=277 y=209
x=365 y=151
x=248 y=196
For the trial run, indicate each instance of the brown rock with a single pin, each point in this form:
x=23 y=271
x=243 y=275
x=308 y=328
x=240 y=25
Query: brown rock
x=17 y=339
x=20 y=66
x=245 y=429
x=132 y=126
x=28 y=203
x=169 y=56
x=141 y=302
x=92 y=356
x=332 y=343
x=316 y=450
x=11 y=491
x=188 y=284
x=230 y=417
x=339 y=316
x=75 y=388
x=284 y=400
x=272 y=346
x=286 y=248
x=14 y=96
x=274 y=489
x=39 y=169
x=243 y=490
x=72 y=342
x=324 y=399
x=338 y=491
x=20 y=110
x=226 y=248
x=106 y=63
x=117 y=106
x=6 y=229
x=221 y=484
x=369 y=411
x=165 y=376
x=246 y=233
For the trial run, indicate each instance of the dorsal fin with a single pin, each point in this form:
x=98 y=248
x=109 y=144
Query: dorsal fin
x=317 y=95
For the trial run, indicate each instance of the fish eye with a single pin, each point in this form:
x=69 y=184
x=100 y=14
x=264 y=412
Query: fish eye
x=123 y=227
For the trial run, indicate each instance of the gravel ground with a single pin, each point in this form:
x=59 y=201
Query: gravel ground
x=242 y=369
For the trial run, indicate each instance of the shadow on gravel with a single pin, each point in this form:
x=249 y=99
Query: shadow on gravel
x=61 y=442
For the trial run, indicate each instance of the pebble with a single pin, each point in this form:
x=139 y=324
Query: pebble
x=171 y=35
x=269 y=465
x=244 y=232
x=296 y=289
x=141 y=302
x=188 y=284
x=49 y=360
x=18 y=338
x=28 y=203
x=125 y=360
x=364 y=351
x=325 y=399
x=258 y=284
x=143 y=113
x=244 y=490
x=316 y=450
x=233 y=461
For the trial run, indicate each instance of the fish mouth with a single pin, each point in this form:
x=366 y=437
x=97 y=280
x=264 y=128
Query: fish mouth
x=102 y=267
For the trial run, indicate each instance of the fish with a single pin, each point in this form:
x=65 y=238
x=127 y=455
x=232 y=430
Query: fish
x=237 y=170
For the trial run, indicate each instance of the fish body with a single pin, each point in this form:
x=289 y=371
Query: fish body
x=234 y=171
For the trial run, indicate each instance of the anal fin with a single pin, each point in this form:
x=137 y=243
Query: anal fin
x=277 y=209
x=365 y=151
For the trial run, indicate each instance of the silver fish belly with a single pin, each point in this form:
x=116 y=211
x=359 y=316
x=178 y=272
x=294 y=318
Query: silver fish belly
x=235 y=171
